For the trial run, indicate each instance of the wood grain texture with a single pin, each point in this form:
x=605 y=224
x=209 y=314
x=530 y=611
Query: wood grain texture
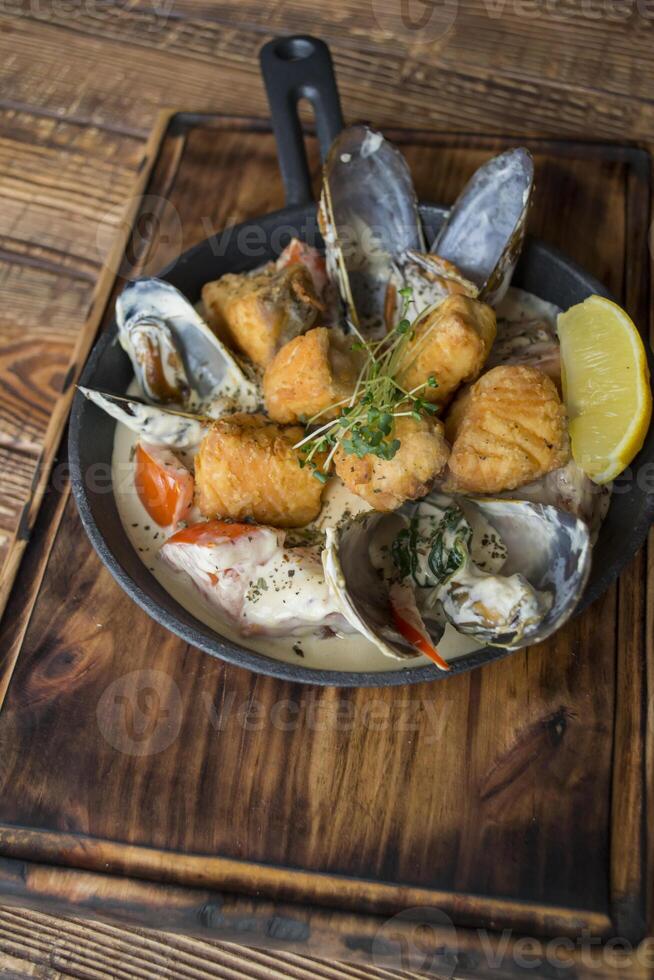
x=79 y=95
x=49 y=948
x=350 y=945
x=35 y=369
x=592 y=65
x=538 y=754
x=63 y=188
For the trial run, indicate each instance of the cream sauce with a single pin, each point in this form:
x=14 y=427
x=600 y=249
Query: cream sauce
x=350 y=652
x=160 y=426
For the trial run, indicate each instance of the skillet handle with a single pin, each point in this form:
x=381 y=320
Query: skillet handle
x=294 y=68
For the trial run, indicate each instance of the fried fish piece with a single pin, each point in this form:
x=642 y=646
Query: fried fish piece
x=456 y=413
x=508 y=429
x=310 y=374
x=259 y=312
x=246 y=467
x=386 y=484
x=451 y=343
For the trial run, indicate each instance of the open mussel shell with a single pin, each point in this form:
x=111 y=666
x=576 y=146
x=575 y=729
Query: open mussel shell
x=361 y=595
x=161 y=426
x=484 y=232
x=369 y=218
x=176 y=357
x=550 y=547
x=512 y=593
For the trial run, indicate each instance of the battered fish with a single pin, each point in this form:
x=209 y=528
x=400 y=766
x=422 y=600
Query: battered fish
x=246 y=467
x=259 y=312
x=451 y=343
x=309 y=375
x=508 y=429
x=386 y=484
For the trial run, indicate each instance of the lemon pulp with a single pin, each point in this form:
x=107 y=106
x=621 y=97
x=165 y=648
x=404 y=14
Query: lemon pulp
x=606 y=386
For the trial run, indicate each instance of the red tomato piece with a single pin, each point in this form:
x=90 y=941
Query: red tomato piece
x=164 y=486
x=408 y=622
x=206 y=533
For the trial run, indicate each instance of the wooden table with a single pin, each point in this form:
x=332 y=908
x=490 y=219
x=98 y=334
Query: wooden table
x=82 y=87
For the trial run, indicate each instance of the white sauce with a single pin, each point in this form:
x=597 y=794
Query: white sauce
x=347 y=653
x=162 y=427
x=520 y=305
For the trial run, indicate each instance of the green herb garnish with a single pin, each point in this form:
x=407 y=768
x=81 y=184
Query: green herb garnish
x=365 y=423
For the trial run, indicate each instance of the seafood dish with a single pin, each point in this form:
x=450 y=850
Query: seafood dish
x=360 y=456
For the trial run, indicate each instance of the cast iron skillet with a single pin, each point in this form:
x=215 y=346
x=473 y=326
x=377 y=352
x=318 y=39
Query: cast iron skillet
x=294 y=68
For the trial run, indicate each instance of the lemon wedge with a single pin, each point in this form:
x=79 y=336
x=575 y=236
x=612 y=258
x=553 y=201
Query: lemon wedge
x=606 y=386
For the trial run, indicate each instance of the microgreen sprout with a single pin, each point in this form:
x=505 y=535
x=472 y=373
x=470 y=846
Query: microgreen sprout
x=364 y=425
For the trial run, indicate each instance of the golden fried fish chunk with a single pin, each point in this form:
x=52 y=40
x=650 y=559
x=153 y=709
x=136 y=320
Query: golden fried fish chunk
x=259 y=312
x=386 y=484
x=309 y=375
x=246 y=467
x=452 y=343
x=508 y=429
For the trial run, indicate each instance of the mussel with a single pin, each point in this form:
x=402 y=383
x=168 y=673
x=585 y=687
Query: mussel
x=176 y=357
x=155 y=424
x=374 y=239
x=363 y=596
x=369 y=219
x=506 y=572
x=485 y=229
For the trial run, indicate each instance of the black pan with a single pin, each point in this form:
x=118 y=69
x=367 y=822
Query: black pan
x=294 y=68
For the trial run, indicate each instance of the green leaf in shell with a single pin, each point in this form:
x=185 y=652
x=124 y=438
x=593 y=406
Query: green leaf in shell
x=433 y=547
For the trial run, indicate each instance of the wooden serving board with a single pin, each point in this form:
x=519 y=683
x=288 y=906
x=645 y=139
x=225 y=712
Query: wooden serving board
x=141 y=779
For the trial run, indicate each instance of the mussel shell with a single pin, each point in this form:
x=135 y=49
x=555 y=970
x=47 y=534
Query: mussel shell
x=161 y=426
x=157 y=361
x=550 y=547
x=199 y=366
x=361 y=595
x=369 y=217
x=485 y=229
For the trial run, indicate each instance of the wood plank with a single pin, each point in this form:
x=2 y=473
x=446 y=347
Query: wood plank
x=48 y=302
x=519 y=749
x=57 y=181
x=33 y=365
x=74 y=850
x=631 y=862
x=62 y=189
x=507 y=37
x=348 y=942
x=215 y=68
x=35 y=944
x=549 y=47
x=17 y=473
